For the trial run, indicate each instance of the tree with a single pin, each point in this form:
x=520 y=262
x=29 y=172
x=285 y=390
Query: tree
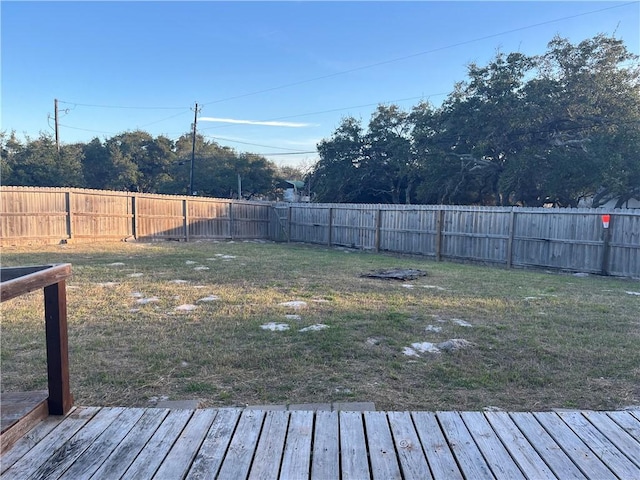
x=38 y=163
x=337 y=176
x=141 y=159
x=389 y=163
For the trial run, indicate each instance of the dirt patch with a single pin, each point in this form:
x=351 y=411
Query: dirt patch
x=396 y=274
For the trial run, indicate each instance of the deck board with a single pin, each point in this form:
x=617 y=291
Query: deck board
x=574 y=447
x=382 y=451
x=519 y=448
x=326 y=449
x=471 y=461
x=144 y=443
x=496 y=455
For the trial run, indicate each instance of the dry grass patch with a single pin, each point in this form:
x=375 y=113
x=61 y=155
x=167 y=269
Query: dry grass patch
x=539 y=340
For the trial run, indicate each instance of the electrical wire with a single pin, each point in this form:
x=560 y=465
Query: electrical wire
x=418 y=54
x=293 y=150
x=76 y=104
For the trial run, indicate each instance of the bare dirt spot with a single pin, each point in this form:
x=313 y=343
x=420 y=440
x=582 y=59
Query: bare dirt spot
x=403 y=274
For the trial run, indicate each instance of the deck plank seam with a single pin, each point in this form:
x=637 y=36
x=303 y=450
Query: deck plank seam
x=591 y=448
x=571 y=453
x=501 y=441
x=422 y=447
x=450 y=445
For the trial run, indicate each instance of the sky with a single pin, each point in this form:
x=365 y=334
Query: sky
x=272 y=78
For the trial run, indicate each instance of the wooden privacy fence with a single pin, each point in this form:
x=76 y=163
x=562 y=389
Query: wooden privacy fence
x=564 y=239
x=52 y=215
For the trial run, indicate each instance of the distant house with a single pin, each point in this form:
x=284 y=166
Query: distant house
x=295 y=193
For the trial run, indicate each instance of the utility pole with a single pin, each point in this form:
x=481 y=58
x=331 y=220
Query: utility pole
x=55 y=115
x=193 y=148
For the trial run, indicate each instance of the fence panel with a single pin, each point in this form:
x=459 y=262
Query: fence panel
x=475 y=234
x=624 y=246
x=563 y=239
x=33 y=215
x=98 y=215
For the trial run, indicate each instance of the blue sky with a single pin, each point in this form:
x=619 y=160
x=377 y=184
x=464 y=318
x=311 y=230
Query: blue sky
x=302 y=65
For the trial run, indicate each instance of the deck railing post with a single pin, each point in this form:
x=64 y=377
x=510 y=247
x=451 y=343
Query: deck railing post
x=55 y=312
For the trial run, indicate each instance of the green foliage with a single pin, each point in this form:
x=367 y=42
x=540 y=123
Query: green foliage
x=522 y=130
x=135 y=161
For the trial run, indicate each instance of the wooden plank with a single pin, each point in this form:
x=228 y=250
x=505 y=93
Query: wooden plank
x=575 y=448
x=296 y=458
x=266 y=462
x=93 y=457
x=62 y=454
x=601 y=445
x=21 y=411
x=557 y=460
x=213 y=449
x=152 y=454
x=58 y=435
x=494 y=452
x=628 y=422
x=178 y=461
x=36 y=278
x=469 y=458
x=616 y=434
x=325 y=462
x=129 y=448
x=353 y=459
x=439 y=456
x=243 y=444
x=412 y=459
x=28 y=441
x=519 y=447
x=382 y=452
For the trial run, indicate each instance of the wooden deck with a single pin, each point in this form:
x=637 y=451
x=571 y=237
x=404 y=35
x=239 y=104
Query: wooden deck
x=145 y=443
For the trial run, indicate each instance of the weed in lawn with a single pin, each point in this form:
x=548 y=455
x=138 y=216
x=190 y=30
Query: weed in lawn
x=539 y=340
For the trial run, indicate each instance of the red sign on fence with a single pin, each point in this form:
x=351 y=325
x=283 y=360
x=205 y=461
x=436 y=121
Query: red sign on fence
x=605 y=220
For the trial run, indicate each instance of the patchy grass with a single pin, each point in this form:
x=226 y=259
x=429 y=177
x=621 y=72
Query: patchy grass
x=540 y=340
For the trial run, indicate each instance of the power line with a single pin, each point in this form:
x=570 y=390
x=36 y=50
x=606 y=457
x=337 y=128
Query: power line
x=76 y=104
x=293 y=150
x=336 y=109
x=418 y=54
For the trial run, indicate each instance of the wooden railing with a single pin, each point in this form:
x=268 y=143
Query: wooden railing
x=16 y=281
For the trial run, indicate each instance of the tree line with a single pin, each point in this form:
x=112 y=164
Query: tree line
x=523 y=130
x=137 y=161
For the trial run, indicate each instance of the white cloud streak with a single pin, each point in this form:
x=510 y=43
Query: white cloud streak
x=255 y=122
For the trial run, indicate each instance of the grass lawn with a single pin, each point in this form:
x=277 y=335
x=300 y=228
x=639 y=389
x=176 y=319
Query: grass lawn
x=537 y=340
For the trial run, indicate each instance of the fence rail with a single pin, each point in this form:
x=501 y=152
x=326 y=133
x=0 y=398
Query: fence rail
x=563 y=239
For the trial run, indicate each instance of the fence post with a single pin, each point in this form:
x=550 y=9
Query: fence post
x=67 y=206
x=378 y=227
x=606 y=248
x=289 y=224
x=439 y=218
x=512 y=223
x=231 y=220
x=330 y=225
x=185 y=219
x=134 y=218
